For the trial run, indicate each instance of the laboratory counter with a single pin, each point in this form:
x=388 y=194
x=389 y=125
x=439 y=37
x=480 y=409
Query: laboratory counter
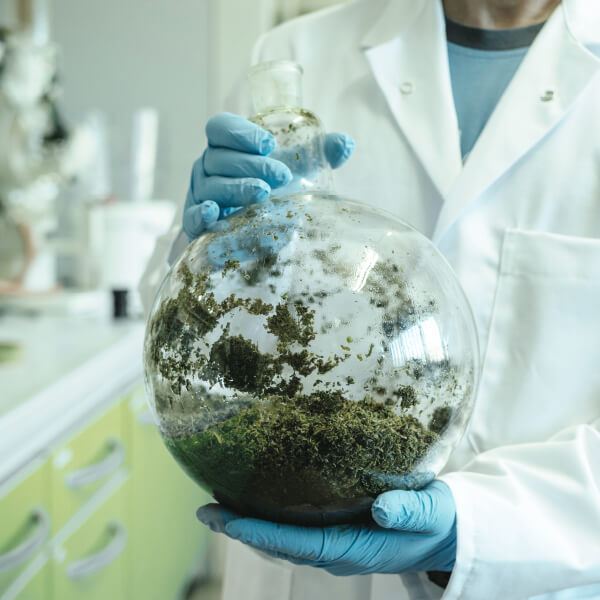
x=91 y=503
x=65 y=369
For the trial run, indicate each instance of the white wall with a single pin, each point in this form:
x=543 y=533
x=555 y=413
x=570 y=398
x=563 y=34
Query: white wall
x=118 y=55
x=288 y=9
x=235 y=26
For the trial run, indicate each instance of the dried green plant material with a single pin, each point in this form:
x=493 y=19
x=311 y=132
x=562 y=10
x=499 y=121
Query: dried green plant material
x=314 y=449
x=236 y=362
x=440 y=419
x=192 y=314
x=406 y=395
x=260 y=270
x=253 y=425
x=230 y=265
x=289 y=328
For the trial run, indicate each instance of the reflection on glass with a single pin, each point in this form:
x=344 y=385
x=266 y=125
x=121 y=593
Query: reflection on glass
x=421 y=341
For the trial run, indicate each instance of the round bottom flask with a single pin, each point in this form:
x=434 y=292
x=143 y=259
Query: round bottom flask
x=310 y=352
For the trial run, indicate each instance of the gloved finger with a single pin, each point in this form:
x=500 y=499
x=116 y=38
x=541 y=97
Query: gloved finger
x=230 y=163
x=227 y=130
x=215 y=516
x=225 y=191
x=226 y=211
x=199 y=217
x=304 y=543
x=338 y=149
x=229 y=191
x=430 y=510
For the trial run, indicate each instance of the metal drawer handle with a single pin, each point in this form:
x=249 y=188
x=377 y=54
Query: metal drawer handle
x=100 y=560
x=99 y=470
x=31 y=545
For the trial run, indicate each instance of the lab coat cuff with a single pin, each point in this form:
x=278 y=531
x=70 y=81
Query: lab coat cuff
x=466 y=540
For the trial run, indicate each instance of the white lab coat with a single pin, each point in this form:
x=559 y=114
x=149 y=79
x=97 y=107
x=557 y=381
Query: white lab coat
x=520 y=224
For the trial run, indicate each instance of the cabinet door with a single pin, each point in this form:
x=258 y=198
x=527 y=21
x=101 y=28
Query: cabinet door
x=81 y=466
x=92 y=563
x=168 y=542
x=24 y=530
x=38 y=587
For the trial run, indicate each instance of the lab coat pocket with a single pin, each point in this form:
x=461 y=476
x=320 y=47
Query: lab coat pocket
x=541 y=368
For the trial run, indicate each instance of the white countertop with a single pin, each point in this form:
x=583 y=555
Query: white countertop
x=68 y=367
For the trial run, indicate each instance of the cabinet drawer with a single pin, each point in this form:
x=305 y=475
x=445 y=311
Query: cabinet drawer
x=24 y=530
x=92 y=562
x=36 y=587
x=81 y=466
x=166 y=537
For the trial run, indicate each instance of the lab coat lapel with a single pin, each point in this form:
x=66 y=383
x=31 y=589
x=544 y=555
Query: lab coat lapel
x=406 y=50
x=552 y=75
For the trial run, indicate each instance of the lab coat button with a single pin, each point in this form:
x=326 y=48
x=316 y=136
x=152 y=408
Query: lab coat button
x=547 y=96
x=407 y=88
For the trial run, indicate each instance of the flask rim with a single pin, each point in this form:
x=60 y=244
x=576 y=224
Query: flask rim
x=283 y=65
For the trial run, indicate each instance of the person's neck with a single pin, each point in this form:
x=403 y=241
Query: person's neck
x=499 y=14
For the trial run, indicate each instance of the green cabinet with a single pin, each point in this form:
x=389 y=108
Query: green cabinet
x=168 y=541
x=25 y=528
x=82 y=465
x=92 y=562
x=109 y=515
x=37 y=588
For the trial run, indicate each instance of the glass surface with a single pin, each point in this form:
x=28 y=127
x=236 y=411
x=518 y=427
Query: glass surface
x=310 y=352
x=311 y=355
x=300 y=145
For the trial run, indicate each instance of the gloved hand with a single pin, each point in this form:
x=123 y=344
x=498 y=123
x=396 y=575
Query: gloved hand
x=235 y=170
x=413 y=531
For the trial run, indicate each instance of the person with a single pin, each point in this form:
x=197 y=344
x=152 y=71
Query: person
x=477 y=122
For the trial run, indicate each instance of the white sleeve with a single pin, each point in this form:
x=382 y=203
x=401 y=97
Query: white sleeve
x=528 y=520
x=167 y=250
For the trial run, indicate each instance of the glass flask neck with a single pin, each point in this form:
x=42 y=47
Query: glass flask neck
x=275 y=84
x=277 y=95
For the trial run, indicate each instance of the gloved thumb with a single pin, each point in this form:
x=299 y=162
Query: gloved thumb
x=197 y=218
x=216 y=517
x=430 y=510
x=338 y=149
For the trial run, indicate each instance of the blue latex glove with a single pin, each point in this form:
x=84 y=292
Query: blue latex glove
x=413 y=531
x=235 y=170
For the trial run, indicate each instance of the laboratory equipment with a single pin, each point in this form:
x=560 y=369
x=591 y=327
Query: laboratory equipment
x=309 y=352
